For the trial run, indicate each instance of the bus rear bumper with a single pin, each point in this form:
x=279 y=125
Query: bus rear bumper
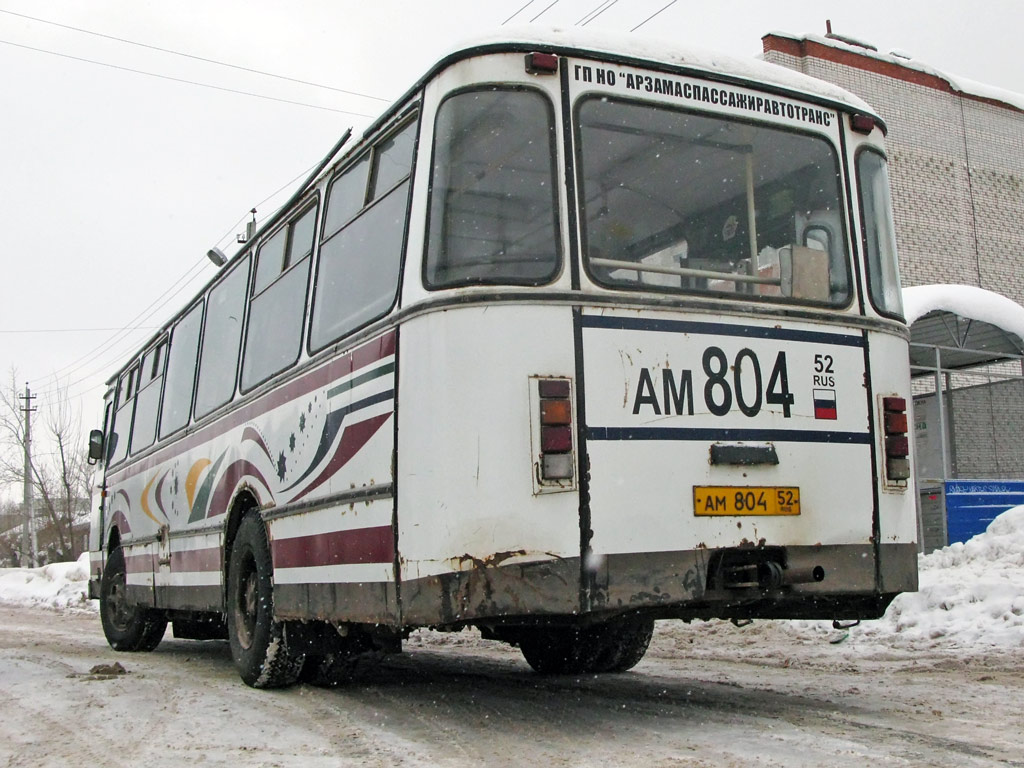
x=814 y=582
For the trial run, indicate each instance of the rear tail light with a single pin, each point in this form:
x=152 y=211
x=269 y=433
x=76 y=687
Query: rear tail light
x=897 y=440
x=557 y=464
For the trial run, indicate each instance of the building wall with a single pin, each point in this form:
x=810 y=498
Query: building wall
x=956 y=165
x=956 y=162
x=987 y=419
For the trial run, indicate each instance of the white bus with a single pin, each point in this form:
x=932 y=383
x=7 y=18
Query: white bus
x=576 y=337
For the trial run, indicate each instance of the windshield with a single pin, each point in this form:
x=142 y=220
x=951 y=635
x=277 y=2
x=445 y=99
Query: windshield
x=680 y=202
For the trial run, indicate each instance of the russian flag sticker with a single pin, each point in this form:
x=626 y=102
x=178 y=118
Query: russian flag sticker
x=825 y=404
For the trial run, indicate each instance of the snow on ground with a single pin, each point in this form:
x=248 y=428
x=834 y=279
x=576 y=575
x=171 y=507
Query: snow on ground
x=58 y=585
x=971 y=597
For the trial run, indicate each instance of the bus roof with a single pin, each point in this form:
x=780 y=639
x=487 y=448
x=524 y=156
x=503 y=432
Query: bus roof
x=622 y=48
x=578 y=41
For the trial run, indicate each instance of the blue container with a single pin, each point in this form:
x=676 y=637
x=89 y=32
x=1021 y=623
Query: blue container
x=972 y=504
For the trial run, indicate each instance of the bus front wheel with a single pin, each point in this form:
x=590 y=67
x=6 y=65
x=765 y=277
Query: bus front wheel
x=127 y=627
x=258 y=643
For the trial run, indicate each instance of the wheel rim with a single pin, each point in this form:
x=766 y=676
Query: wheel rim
x=247 y=604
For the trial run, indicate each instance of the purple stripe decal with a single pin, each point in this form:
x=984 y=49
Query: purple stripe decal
x=138 y=564
x=158 y=494
x=227 y=484
x=367 y=354
x=121 y=522
x=196 y=560
x=362 y=545
x=250 y=434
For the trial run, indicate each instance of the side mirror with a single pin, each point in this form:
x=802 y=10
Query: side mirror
x=95 y=445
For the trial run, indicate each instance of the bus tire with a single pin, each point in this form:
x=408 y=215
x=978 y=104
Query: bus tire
x=614 y=646
x=259 y=645
x=624 y=643
x=126 y=627
x=557 y=650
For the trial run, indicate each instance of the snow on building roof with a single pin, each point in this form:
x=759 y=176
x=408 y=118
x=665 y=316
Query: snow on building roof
x=668 y=52
x=967 y=301
x=956 y=83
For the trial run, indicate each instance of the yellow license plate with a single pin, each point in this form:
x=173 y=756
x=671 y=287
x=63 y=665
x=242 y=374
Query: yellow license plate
x=716 y=500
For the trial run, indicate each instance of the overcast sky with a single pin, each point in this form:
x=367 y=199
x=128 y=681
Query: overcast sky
x=114 y=184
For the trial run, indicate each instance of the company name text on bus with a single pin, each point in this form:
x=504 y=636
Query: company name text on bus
x=697 y=92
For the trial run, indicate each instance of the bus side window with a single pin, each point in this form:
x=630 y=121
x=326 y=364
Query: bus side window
x=222 y=337
x=361 y=250
x=117 y=448
x=179 y=381
x=147 y=402
x=273 y=337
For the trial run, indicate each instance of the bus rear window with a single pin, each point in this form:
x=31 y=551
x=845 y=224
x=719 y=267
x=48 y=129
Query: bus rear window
x=493 y=198
x=689 y=203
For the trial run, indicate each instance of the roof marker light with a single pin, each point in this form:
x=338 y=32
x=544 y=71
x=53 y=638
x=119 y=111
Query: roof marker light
x=862 y=123
x=541 y=63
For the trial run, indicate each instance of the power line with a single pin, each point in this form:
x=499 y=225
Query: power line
x=634 y=29
x=194 y=57
x=122 y=334
x=544 y=11
x=598 y=13
x=74 y=330
x=183 y=80
x=527 y=5
x=117 y=339
x=591 y=12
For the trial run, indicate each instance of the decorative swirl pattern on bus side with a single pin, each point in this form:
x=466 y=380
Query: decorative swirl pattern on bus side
x=333 y=423
x=337 y=445
x=357 y=386
x=198 y=507
x=145 y=501
x=192 y=479
x=352 y=440
x=251 y=434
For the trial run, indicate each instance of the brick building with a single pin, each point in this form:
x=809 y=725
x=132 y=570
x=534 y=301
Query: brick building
x=956 y=163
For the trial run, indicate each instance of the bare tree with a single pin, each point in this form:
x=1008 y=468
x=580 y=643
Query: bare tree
x=59 y=470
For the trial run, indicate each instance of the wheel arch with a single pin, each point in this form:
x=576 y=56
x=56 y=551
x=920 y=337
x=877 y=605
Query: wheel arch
x=113 y=539
x=245 y=502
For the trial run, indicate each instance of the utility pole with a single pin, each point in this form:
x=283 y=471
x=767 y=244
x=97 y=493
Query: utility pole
x=28 y=532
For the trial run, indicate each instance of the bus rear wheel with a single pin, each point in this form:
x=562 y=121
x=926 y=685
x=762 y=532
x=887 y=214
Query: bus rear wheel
x=613 y=646
x=127 y=627
x=259 y=646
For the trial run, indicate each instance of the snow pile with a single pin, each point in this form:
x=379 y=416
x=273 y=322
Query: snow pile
x=971 y=595
x=58 y=585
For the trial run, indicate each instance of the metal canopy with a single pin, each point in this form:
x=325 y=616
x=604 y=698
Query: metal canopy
x=964 y=342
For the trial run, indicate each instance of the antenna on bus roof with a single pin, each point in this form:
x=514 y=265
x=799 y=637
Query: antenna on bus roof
x=301 y=190
x=250 y=229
